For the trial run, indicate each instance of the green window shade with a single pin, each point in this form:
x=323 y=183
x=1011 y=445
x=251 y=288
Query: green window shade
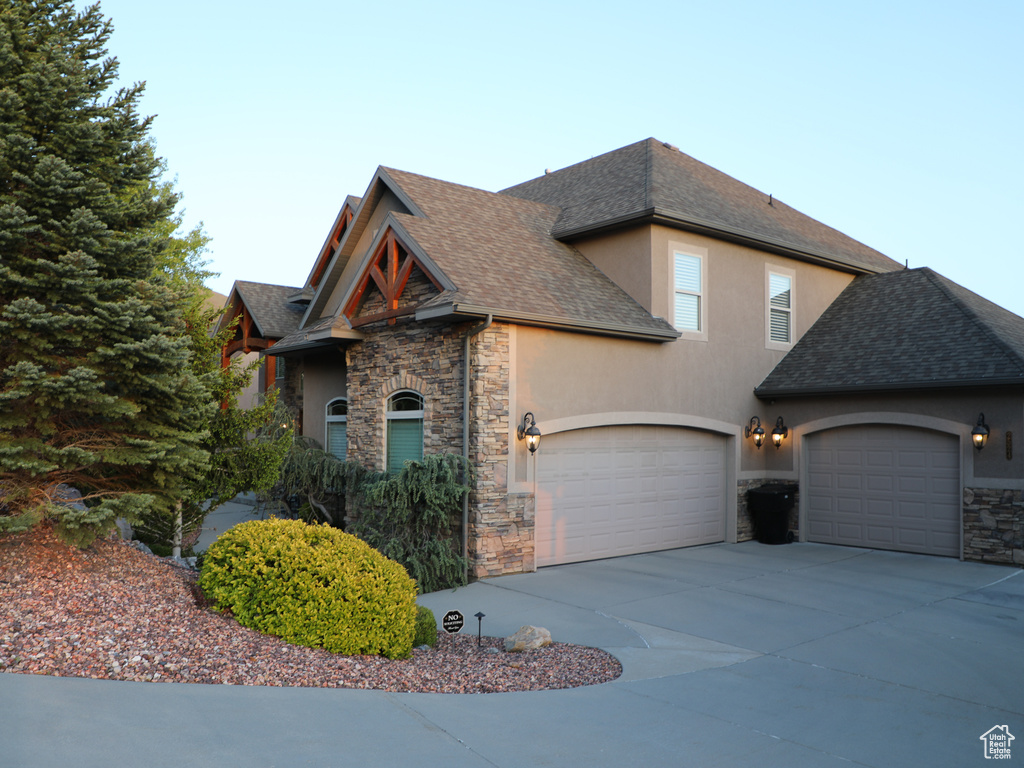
x=688 y=287
x=337 y=439
x=780 y=297
x=405 y=441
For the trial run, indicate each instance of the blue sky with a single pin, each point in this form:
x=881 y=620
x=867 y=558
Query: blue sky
x=896 y=122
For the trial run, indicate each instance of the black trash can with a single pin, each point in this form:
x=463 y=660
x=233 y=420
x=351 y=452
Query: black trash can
x=769 y=507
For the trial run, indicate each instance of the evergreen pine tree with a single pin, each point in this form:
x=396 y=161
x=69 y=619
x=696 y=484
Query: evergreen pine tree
x=96 y=389
x=246 y=445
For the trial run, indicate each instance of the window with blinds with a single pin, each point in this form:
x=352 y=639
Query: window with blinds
x=337 y=428
x=688 y=292
x=405 y=429
x=780 y=308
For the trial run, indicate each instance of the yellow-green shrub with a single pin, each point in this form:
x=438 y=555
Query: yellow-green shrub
x=426 y=627
x=312 y=585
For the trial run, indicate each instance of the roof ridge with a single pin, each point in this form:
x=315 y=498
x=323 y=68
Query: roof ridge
x=499 y=195
x=939 y=281
x=269 y=285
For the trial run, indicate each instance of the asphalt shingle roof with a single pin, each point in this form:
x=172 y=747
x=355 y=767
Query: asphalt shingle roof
x=270 y=308
x=653 y=179
x=911 y=329
x=498 y=252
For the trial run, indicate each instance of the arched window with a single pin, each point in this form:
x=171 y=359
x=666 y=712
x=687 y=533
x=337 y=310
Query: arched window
x=337 y=427
x=405 y=429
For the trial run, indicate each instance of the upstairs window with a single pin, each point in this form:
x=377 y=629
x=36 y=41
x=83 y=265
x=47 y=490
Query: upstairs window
x=404 y=439
x=689 y=292
x=780 y=308
x=337 y=427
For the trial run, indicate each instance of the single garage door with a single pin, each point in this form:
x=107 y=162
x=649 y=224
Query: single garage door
x=885 y=487
x=609 y=491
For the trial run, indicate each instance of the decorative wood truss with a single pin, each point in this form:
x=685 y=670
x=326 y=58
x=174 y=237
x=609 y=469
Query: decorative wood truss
x=389 y=269
x=331 y=246
x=245 y=339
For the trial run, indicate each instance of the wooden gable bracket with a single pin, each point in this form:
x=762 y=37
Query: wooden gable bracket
x=243 y=340
x=389 y=269
x=332 y=246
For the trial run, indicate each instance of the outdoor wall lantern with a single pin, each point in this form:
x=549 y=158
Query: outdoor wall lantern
x=528 y=429
x=780 y=431
x=756 y=431
x=980 y=433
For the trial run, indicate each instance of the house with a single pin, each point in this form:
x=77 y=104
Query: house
x=650 y=315
x=264 y=314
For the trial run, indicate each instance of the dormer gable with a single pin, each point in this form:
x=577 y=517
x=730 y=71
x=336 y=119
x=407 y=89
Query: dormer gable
x=382 y=198
x=378 y=292
x=330 y=247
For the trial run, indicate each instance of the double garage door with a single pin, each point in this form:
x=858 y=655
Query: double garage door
x=884 y=487
x=622 y=490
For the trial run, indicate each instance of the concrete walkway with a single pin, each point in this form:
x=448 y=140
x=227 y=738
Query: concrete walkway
x=733 y=655
x=242 y=509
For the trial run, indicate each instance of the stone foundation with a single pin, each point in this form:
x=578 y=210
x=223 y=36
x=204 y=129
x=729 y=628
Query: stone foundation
x=994 y=525
x=503 y=537
x=745 y=521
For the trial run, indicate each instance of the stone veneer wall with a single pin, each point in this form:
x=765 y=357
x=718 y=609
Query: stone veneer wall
x=424 y=357
x=501 y=524
x=427 y=358
x=745 y=521
x=994 y=525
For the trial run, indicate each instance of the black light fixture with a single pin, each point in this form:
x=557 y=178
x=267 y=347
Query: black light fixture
x=781 y=431
x=528 y=429
x=980 y=433
x=756 y=431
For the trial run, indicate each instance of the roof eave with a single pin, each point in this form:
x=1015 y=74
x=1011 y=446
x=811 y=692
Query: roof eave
x=719 y=231
x=546 y=321
x=316 y=340
x=859 y=389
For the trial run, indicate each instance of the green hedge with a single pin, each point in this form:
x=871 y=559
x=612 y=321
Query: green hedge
x=312 y=585
x=426 y=627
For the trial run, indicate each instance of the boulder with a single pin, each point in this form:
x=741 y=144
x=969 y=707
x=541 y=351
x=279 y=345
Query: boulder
x=125 y=529
x=527 y=639
x=67 y=496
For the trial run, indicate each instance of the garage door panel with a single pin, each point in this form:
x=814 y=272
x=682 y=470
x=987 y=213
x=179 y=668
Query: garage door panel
x=909 y=478
x=611 y=491
x=881 y=538
x=878 y=508
x=848 y=459
x=847 y=482
x=882 y=459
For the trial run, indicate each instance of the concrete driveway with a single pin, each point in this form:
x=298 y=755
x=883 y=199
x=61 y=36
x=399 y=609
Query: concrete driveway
x=733 y=655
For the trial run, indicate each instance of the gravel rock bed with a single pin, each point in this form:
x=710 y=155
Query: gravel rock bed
x=115 y=613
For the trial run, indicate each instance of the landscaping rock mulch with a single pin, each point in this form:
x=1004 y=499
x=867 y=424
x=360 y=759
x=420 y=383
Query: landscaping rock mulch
x=116 y=613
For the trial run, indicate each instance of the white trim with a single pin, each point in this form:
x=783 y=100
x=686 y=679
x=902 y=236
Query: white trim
x=769 y=270
x=696 y=252
x=404 y=416
x=613 y=418
x=329 y=419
